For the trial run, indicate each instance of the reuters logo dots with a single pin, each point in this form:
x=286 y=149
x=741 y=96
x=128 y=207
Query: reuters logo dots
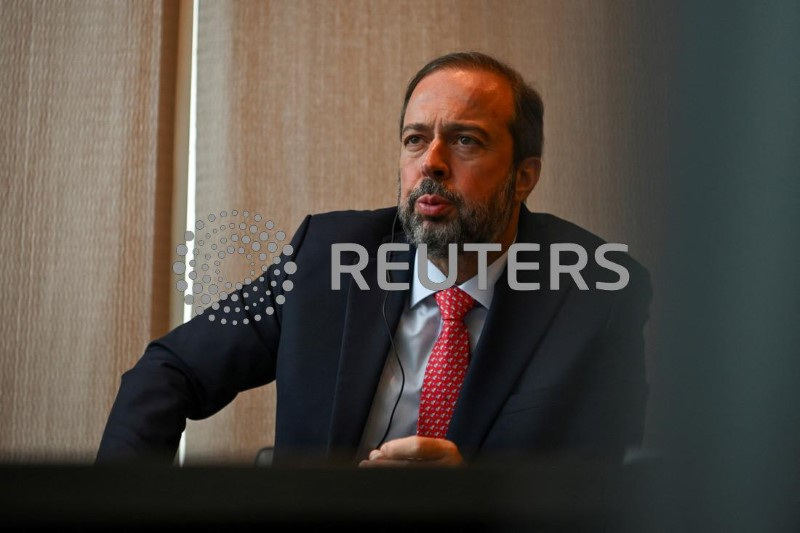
x=250 y=244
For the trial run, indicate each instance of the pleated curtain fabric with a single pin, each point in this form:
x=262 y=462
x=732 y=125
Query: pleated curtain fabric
x=87 y=103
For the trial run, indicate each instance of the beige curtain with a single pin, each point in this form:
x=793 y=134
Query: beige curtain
x=87 y=102
x=298 y=107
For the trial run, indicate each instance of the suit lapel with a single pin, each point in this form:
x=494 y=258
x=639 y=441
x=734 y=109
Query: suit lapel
x=515 y=325
x=365 y=344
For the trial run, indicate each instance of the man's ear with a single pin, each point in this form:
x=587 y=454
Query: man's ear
x=527 y=177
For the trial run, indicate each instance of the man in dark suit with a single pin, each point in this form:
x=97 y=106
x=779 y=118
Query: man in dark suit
x=553 y=367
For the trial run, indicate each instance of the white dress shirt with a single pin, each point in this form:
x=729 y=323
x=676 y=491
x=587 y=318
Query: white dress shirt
x=416 y=334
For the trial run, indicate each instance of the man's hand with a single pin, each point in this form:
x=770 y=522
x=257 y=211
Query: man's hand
x=414 y=451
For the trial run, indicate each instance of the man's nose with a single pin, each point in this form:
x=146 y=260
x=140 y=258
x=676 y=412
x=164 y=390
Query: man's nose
x=435 y=165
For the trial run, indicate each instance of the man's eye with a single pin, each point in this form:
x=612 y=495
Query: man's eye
x=413 y=139
x=466 y=141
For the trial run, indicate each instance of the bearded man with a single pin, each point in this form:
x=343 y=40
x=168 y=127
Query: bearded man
x=511 y=360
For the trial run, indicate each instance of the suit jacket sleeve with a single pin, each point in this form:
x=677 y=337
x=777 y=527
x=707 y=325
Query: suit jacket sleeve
x=192 y=372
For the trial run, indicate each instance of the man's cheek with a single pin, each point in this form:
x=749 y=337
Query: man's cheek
x=406 y=187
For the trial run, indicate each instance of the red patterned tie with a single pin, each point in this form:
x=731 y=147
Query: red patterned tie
x=447 y=365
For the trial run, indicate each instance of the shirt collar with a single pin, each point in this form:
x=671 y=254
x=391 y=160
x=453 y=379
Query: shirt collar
x=484 y=297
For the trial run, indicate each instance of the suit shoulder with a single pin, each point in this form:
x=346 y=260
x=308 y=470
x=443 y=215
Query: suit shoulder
x=352 y=215
x=547 y=229
x=351 y=226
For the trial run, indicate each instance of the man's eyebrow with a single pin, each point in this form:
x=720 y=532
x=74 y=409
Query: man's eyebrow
x=448 y=128
x=466 y=128
x=416 y=126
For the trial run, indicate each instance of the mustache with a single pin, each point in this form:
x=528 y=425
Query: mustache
x=430 y=186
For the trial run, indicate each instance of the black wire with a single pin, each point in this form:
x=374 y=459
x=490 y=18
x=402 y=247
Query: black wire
x=394 y=350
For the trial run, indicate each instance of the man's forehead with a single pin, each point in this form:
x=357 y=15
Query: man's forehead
x=467 y=93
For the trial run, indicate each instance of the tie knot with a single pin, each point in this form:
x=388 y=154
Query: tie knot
x=454 y=303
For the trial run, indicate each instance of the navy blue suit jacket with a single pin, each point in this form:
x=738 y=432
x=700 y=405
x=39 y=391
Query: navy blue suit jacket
x=554 y=370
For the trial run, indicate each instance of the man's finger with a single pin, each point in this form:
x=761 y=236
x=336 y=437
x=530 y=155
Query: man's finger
x=415 y=447
x=375 y=454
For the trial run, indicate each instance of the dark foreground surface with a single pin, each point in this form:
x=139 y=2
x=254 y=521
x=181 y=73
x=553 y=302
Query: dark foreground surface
x=546 y=495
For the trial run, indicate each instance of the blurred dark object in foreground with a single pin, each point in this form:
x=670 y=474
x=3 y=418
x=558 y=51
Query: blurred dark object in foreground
x=553 y=494
x=547 y=494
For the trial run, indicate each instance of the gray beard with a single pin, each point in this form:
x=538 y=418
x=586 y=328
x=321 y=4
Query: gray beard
x=474 y=223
